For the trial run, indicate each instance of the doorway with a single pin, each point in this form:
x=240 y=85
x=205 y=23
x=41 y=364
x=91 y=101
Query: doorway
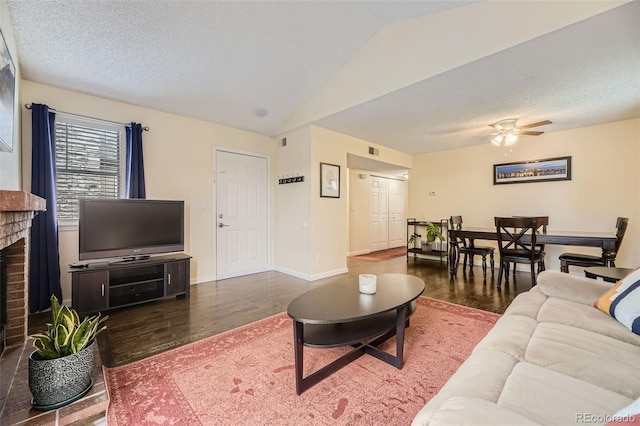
x=387 y=213
x=241 y=216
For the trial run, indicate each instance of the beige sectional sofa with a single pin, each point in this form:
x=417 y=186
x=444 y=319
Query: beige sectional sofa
x=552 y=359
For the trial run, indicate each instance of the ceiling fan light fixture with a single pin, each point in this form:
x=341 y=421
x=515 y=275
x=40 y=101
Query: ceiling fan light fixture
x=508 y=131
x=497 y=140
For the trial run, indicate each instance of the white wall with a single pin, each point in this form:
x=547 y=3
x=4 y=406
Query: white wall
x=178 y=156
x=10 y=162
x=604 y=185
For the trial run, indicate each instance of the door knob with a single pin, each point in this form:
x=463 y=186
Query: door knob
x=220 y=225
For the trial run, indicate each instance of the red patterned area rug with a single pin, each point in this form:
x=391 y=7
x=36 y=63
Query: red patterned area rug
x=246 y=376
x=377 y=256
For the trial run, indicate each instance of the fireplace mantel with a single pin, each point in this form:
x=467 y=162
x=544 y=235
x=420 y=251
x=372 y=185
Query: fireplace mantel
x=20 y=201
x=17 y=209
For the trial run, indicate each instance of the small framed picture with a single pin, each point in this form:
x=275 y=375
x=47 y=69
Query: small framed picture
x=329 y=180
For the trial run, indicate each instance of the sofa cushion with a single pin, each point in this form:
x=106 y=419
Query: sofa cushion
x=591 y=357
x=481 y=376
x=527 y=304
x=510 y=335
x=582 y=316
x=570 y=287
x=462 y=410
x=551 y=398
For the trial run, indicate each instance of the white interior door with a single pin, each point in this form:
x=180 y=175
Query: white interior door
x=379 y=213
x=241 y=219
x=397 y=231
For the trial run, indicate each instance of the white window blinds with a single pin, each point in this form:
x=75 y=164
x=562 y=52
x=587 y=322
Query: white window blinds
x=88 y=162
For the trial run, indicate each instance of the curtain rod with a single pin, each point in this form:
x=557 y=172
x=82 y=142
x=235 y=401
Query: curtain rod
x=28 y=106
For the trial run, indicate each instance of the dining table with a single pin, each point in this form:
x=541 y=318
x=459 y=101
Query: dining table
x=605 y=240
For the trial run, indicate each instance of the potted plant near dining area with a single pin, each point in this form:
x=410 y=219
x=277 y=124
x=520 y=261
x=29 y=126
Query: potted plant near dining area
x=433 y=233
x=60 y=369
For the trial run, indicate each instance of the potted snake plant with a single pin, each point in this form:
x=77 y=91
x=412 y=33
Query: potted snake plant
x=60 y=369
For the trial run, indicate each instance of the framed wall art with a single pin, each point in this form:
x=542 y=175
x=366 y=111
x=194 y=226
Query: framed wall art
x=329 y=180
x=549 y=169
x=7 y=96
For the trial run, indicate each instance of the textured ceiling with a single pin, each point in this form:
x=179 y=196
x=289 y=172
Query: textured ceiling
x=229 y=62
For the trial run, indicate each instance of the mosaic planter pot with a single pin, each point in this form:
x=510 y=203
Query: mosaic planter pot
x=55 y=383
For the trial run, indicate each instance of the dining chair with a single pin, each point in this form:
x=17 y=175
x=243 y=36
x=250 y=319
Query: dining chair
x=511 y=233
x=469 y=249
x=586 y=260
x=543 y=222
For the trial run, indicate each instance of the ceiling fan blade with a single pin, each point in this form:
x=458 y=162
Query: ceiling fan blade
x=531 y=133
x=539 y=123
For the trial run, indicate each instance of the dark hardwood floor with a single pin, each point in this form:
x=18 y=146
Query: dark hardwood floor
x=136 y=332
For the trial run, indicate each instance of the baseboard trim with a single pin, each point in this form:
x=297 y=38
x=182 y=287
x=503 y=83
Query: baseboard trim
x=201 y=280
x=309 y=277
x=358 y=252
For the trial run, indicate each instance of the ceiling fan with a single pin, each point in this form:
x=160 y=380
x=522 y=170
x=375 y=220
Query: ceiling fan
x=507 y=131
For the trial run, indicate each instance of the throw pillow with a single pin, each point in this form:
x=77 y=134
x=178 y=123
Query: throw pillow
x=622 y=301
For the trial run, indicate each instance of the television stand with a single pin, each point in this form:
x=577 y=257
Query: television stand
x=109 y=285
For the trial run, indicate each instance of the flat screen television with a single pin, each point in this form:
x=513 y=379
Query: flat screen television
x=130 y=228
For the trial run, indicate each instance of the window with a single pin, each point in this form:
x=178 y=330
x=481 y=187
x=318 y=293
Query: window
x=88 y=162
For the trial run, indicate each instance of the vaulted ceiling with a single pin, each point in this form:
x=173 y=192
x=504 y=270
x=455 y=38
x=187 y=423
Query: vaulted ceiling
x=416 y=76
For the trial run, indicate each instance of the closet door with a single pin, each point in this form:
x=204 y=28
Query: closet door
x=397 y=225
x=379 y=213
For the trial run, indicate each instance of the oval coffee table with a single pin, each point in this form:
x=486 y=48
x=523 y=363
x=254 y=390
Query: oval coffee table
x=337 y=314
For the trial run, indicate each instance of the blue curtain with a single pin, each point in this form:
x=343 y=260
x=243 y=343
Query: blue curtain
x=44 y=263
x=135 y=187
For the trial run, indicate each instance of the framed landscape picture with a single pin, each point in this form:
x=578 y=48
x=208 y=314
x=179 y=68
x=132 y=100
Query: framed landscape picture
x=7 y=96
x=550 y=169
x=329 y=180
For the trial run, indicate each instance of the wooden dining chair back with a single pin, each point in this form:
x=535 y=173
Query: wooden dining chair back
x=517 y=244
x=543 y=222
x=586 y=260
x=469 y=249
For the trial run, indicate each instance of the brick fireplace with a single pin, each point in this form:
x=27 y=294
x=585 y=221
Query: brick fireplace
x=17 y=210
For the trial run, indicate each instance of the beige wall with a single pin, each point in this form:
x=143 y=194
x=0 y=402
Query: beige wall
x=359 y=212
x=310 y=232
x=604 y=185
x=178 y=165
x=330 y=216
x=292 y=206
x=10 y=172
x=360 y=209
